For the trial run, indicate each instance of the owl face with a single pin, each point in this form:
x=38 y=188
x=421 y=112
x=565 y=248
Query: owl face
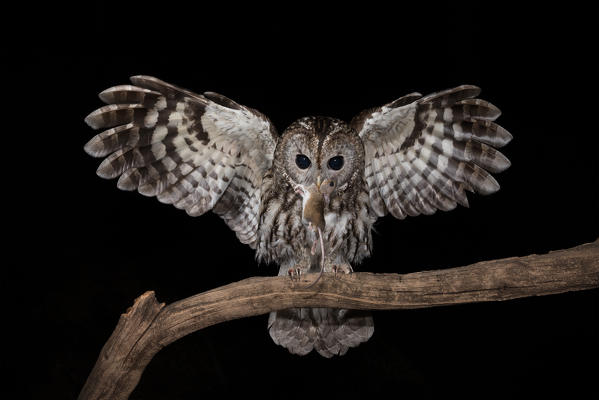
x=320 y=149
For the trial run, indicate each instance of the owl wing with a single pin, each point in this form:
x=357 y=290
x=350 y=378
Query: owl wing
x=423 y=153
x=197 y=152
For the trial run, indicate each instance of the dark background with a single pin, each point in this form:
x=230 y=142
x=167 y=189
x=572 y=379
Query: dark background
x=87 y=250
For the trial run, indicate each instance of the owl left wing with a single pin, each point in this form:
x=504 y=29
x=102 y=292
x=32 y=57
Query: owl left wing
x=197 y=152
x=423 y=153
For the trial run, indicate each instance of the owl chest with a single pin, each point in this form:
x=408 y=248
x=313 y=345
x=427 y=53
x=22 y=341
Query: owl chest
x=285 y=238
x=282 y=234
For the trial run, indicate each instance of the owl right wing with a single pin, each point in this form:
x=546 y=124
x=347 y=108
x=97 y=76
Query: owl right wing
x=423 y=153
x=197 y=152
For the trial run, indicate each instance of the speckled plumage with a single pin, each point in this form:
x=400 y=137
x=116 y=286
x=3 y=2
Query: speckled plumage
x=205 y=152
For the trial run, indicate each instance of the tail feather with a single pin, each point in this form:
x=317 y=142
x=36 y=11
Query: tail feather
x=328 y=331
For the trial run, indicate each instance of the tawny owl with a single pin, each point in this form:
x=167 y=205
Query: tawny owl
x=412 y=156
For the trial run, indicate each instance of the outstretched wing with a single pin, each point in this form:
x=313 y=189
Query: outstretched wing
x=197 y=152
x=423 y=153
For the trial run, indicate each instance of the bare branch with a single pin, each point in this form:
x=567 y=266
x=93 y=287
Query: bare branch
x=149 y=326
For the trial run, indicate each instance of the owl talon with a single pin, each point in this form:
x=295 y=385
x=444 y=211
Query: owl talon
x=342 y=269
x=295 y=273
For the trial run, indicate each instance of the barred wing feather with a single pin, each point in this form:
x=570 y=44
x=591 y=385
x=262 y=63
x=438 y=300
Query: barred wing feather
x=423 y=153
x=197 y=152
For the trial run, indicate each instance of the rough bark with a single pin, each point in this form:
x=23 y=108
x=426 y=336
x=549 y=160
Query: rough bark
x=148 y=326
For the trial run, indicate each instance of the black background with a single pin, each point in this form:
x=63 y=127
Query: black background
x=87 y=250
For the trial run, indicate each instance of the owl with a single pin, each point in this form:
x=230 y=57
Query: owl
x=205 y=152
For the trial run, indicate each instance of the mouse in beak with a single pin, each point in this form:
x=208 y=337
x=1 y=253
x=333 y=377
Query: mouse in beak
x=314 y=199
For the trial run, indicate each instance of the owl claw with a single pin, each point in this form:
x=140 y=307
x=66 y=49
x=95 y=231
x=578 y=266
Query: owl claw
x=294 y=273
x=342 y=268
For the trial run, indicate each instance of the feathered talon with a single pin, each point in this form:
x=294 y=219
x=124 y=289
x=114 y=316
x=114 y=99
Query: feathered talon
x=342 y=268
x=295 y=273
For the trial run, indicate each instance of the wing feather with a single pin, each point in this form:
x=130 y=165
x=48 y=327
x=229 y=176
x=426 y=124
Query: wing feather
x=423 y=153
x=197 y=152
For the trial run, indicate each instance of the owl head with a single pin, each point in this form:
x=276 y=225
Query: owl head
x=315 y=150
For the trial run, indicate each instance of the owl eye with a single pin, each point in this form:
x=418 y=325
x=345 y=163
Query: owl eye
x=336 y=163
x=302 y=161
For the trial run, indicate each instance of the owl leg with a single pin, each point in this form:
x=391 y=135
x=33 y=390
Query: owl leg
x=296 y=272
x=337 y=263
x=342 y=268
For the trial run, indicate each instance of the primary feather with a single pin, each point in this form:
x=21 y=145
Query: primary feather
x=189 y=150
x=422 y=153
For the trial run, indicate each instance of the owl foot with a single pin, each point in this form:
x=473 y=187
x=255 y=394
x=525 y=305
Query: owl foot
x=342 y=269
x=295 y=273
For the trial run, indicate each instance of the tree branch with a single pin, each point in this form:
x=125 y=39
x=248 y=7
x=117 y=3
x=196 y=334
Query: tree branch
x=149 y=326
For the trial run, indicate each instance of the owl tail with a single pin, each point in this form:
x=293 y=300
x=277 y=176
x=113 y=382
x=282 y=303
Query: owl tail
x=329 y=331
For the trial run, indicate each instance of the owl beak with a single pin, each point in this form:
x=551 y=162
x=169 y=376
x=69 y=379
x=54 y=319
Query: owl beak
x=318 y=182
